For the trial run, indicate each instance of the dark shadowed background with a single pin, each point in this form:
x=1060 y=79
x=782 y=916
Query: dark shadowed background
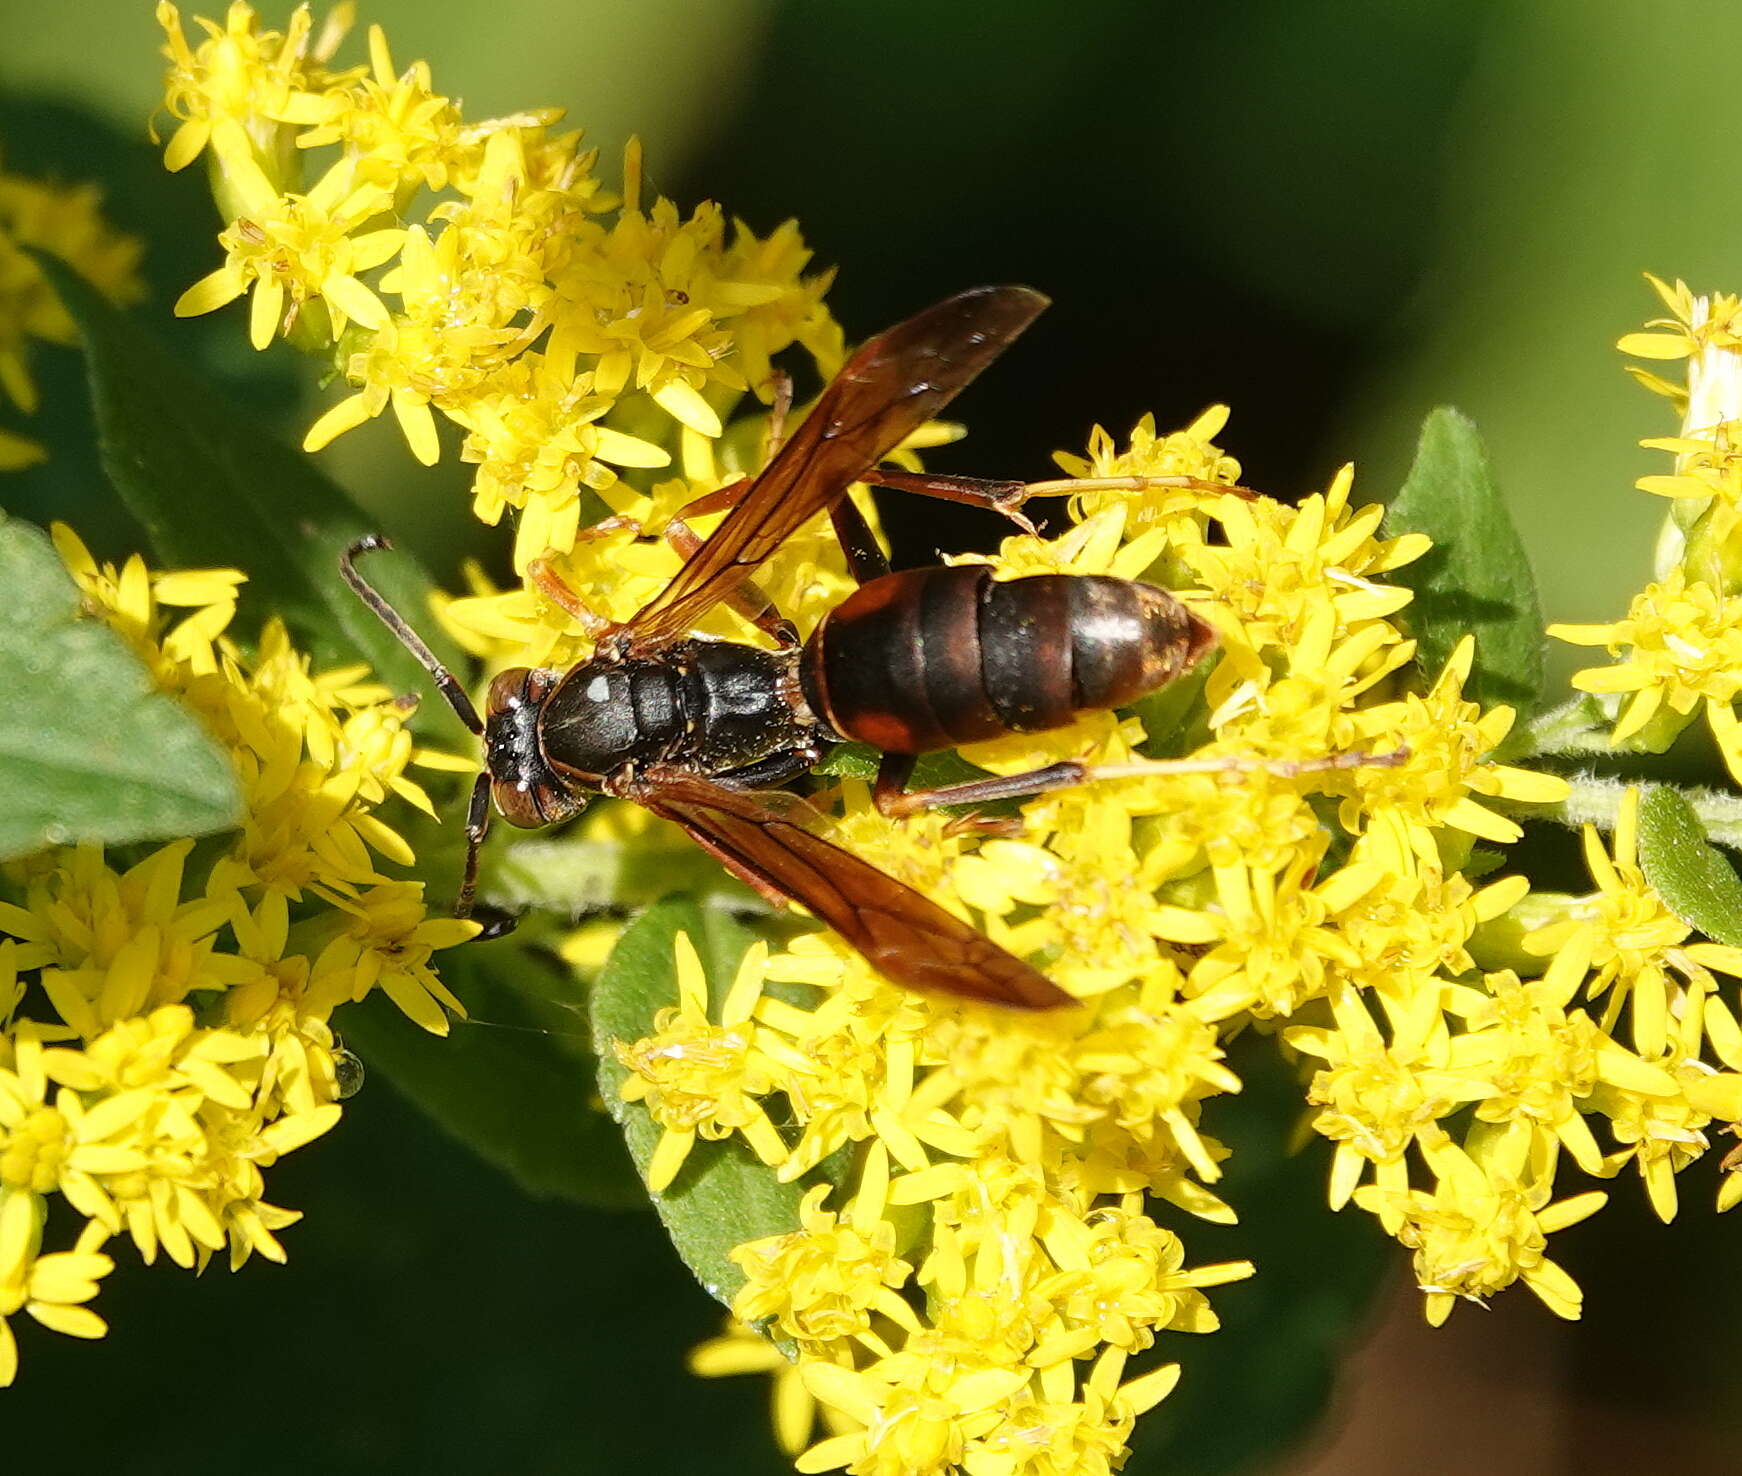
x=1330 y=216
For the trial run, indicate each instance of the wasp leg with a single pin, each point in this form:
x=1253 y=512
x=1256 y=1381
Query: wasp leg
x=892 y=798
x=771 y=773
x=1004 y=498
x=1069 y=486
x=865 y=557
x=722 y=499
x=777 y=414
x=748 y=598
x=477 y=827
x=616 y=523
x=896 y=802
x=542 y=572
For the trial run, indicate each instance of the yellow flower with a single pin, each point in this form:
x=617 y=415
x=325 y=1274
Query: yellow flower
x=235 y=75
x=913 y=1419
x=537 y=443
x=1683 y=643
x=1678 y=637
x=698 y=1078
x=1483 y=1226
x=1630 y=943
x=1693 y=324
x=567 y=340
x=1444 y=739
x=387 y=944
x=434 y=352
x=391 y=124
x=740 y=1350
x=1376 y=1096
x=1280 y=564
x=645 y=301
x=1190 y=452
x=290 y=249
x=68 y=223
x=51 y=1289
x=826 y=1281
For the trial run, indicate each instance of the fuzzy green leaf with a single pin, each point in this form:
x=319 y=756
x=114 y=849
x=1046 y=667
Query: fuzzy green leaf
x=212 y=487
x=565 y=874
x=1595 y=799
x=724 y=1195
x=932 y=770
x=1685 y=869
x=516 y=1081
x=1477 y=579
x=89 y=749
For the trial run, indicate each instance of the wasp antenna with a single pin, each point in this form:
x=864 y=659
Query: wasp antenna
x=446 y=683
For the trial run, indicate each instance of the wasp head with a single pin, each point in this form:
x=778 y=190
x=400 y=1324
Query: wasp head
x=526 y=790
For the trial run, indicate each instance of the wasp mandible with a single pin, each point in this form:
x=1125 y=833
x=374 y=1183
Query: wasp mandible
x=912 y=662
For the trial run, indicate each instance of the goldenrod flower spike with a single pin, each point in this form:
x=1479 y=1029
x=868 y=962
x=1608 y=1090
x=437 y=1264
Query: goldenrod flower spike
x=1678 y=646
x=568 y=333
x=148 y=1120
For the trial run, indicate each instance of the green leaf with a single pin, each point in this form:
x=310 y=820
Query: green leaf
x=1580 y=725
x=724 y=1195
x=1691 y=875
x=89 y=749
x=576 y=876
x=932 y=771
x=212 y=487
x=516 y=1081
x=850 y=761
x=1476 y=580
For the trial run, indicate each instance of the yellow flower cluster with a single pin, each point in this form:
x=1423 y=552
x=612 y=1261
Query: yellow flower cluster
x=567 y=330
x=66 y=221
x=981 y=1272
x=164 y=1021
x=970 y=1295
x=1680 y=645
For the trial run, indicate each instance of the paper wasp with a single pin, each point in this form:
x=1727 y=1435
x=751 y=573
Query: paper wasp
x=912 y=662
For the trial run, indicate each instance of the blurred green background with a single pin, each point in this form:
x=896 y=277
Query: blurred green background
x=1331 y=216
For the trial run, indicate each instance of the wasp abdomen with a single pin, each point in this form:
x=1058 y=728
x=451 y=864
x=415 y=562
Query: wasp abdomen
x=932 y=658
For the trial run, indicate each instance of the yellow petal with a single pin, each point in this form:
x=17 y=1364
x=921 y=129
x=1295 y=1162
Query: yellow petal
x=187 y=145
x=75 y=1322
x=1654 y=345
x=621 y=450
x=419 y=426
x=210 y=292
x=685 y=404
x=265 y=311
x=355 y=301
x=348 y=414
